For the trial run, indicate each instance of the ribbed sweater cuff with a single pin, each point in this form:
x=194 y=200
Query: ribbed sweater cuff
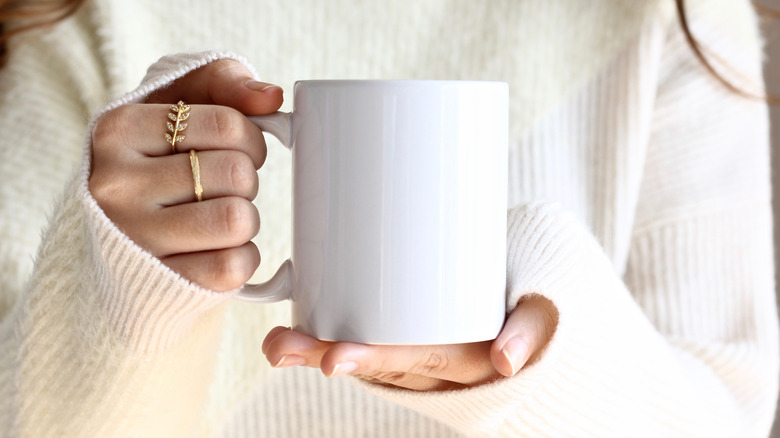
x=147 y=305
x=544 y=248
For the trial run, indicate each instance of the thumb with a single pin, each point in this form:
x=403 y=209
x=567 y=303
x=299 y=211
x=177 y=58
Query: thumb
x=223 y=82
x=527 y=331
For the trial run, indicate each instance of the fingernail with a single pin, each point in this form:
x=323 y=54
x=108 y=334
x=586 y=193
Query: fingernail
x=343 y=368
x=289 y=361
x=515 y=351
x=259 y=86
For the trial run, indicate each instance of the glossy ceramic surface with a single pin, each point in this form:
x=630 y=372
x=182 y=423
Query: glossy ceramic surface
x=399 y=210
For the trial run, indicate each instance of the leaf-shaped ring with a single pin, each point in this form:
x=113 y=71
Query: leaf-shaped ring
x=179 y=113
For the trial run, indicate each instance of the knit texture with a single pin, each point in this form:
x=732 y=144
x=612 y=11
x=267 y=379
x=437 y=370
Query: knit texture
x=640 y=207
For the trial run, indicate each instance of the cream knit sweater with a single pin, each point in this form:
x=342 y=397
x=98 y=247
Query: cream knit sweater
x=641 y=208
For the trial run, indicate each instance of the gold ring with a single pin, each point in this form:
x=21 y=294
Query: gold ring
x=195 y=164
x=179 y=113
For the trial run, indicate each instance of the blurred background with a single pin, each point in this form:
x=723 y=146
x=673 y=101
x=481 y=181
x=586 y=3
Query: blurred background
x=771 y=27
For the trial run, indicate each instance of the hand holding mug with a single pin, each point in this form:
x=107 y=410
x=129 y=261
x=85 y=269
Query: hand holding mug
x=399 y=205
x=527 y=331
x=146 y=187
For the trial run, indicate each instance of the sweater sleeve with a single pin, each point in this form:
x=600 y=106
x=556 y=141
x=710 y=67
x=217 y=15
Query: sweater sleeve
x=685 y=342
x=105 y=340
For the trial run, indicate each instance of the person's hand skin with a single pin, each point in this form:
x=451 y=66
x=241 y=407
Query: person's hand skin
x=148 y=191
x=526 y=332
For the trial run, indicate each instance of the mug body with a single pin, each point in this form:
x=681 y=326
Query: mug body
x=399 y=210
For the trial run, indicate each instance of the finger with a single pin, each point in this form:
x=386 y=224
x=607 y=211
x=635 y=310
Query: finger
x=214 y=224
x=219 y=270
x=142 y=128
x=285 y=347
x=527 y=331
x=462 y=363
x=223 y=82
x=276 y=331
x=168 y=180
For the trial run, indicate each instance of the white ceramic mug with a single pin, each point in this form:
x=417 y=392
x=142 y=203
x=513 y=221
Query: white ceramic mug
x=399 y=211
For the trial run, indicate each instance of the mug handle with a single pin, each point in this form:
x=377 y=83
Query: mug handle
x=279 y=287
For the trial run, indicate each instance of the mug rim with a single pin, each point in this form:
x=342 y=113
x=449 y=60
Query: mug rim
x=397 y=82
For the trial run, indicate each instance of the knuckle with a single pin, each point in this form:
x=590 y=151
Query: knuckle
x=434 y=362
x=221 y=66
x=242 y=175
x=107 y=188
x=228 y=269
x=391 y=377
x=550 y=317
x=240 y=219
x=545 y=318
x=101 y=135
x=109 y=127
x=228 y=126
x=102 y=189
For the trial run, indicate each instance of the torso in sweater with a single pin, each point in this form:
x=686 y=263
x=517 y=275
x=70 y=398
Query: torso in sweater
x=549 y=52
